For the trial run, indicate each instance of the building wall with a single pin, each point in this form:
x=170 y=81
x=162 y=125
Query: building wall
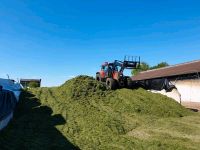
x=187 y=91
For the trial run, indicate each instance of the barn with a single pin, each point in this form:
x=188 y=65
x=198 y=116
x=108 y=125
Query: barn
x=185 y=77
x=26 y=82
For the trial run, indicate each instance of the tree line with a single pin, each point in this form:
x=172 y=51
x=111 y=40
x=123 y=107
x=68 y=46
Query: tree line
x=145 y=66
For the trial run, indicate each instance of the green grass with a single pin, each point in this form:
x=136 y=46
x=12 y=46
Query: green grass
x=84 y=114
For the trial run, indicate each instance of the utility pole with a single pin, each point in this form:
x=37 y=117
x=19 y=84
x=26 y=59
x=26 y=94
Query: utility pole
x=8 y=76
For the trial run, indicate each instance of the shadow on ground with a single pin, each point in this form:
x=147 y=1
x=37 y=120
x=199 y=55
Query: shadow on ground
x=193 y=109
x=33 y=127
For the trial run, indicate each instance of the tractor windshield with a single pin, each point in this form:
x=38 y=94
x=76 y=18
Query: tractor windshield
x=117 y=68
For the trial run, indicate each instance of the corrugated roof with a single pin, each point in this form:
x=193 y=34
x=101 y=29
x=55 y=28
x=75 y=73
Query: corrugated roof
x=175 y=70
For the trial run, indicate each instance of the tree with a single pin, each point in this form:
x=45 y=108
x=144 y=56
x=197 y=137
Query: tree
x=33 y=84
x=160 y=65
x=143 y=67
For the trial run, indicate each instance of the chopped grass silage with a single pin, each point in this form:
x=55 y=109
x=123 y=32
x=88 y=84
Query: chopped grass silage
x=95 y=118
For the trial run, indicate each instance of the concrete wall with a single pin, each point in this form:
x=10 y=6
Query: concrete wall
x=187 y=91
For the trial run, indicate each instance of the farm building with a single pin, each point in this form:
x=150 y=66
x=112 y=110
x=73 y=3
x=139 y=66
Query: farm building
x=185 y=77
x=28 y=82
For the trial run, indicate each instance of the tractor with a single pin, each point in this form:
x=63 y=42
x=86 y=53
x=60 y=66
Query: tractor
x=112 y=73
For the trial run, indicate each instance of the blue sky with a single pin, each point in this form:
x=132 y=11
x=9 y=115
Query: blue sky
x=58 y=39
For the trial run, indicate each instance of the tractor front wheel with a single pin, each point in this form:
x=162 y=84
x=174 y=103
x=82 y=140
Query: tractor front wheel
x=98 y=77
x=129 y=83
x=111 y=84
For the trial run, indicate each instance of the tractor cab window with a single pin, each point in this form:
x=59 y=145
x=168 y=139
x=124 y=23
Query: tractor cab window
x=104 y=68
x=117 y=68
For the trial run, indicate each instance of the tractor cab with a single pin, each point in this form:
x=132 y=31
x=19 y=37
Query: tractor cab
x=106 y=70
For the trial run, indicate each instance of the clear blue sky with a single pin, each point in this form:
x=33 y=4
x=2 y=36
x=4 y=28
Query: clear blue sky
x=57 y=39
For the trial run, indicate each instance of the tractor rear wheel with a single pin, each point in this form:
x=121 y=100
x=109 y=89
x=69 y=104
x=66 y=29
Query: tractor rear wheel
x=111 y=84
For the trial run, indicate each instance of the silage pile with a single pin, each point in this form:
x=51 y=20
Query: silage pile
x=100 y=119
x=82 y=87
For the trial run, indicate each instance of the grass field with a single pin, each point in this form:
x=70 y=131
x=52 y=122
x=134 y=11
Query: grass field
x=82 y=114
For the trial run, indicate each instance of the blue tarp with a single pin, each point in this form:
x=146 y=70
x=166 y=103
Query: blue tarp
x=8 y=102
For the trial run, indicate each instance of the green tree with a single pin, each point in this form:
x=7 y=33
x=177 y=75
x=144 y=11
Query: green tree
x=33 y=85
x=160 y=65
x=143 y=67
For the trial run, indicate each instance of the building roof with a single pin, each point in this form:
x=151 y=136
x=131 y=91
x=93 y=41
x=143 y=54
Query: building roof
x=30 y=80
x=175 y=70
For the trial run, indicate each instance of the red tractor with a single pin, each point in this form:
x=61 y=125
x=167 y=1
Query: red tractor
x=112 y=73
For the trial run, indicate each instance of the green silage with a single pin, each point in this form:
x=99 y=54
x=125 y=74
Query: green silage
x=96 y=118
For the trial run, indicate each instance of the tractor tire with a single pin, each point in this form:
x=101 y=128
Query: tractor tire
x=129 y=83
x=98 y=77
x=111 y=84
